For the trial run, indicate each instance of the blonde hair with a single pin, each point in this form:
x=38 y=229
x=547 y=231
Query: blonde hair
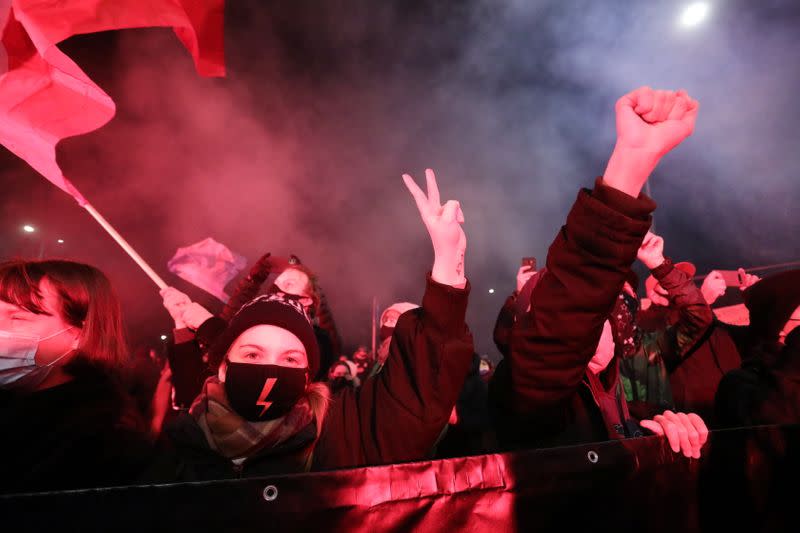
x=319 y=397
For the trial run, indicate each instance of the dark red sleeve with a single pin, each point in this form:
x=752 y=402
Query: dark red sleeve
x=587 y=264
x=398 y=414
x=695 y=315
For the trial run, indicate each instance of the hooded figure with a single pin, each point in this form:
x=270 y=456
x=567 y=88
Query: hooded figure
x=766 y=390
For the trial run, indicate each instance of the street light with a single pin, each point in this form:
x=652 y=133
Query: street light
x=694 y=14
x=42 y=238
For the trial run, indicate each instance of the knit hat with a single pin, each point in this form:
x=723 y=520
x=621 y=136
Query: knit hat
x=771 y=303
x=685 y=267
x=352 y=368
x=281 y=310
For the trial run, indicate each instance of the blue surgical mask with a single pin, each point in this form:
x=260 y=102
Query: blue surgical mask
x=18 y=359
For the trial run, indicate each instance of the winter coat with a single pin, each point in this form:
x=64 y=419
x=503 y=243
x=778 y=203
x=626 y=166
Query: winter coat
x=394 y=416
x=766 y=390
x=81 y=434
x=660 y=374
x=541 y=394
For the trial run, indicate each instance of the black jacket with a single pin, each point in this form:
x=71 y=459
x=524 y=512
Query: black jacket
x=695 y=378
x=667 y=369
x=81 y=434
x=394 y=416
x=766 y=390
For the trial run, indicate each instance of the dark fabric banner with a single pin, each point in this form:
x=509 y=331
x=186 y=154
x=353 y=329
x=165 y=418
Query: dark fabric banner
x=746 y=481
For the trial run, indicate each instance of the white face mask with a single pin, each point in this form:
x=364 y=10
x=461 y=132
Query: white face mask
x=18 y=358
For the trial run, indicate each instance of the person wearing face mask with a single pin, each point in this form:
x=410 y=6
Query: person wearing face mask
x=655 y=372
x=297 y=279
x=343 y=374
x=689 y=343
x=196 y=327
x=485 y=369
x=364 y=362
x=261 y=413
x=388 y=321
x=562 y=385
x=68 y=422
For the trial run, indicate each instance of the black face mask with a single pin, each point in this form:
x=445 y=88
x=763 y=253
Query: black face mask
x=263 y=392
x=386 y=332
x=339 y=383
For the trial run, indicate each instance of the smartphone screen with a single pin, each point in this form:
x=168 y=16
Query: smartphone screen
x=731 y=277
x=529 y=262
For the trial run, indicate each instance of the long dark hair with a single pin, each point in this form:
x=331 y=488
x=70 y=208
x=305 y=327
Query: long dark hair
x=86 y=300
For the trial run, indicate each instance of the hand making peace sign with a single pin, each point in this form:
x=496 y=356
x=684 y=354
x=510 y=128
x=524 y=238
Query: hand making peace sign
x=444 y=226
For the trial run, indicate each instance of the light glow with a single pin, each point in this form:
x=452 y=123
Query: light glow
x=694 y=14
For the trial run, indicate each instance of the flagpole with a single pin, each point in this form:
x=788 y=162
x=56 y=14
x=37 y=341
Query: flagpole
x=374 y=315
x=124 y=244
x=758 y=268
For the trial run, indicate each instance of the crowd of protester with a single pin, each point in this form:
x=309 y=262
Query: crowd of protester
x=263 y=387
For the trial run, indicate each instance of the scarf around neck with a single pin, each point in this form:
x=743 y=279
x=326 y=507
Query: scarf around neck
x=232 y=436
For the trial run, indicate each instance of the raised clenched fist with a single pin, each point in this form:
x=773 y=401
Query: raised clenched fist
x=651 y=252
x=649 y=124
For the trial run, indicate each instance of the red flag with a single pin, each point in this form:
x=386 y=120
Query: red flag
x=198 y=23
x=46 y=97
x=43 y=101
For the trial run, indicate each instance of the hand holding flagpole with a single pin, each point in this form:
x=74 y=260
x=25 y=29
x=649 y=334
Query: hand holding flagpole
x=46 y=97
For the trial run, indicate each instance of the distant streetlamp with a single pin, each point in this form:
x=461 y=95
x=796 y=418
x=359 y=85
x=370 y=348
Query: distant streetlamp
x=694 y=14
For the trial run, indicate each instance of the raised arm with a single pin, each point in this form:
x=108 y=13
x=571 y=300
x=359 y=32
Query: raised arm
x=398 y=414
x=694 y=314
x=592 y=254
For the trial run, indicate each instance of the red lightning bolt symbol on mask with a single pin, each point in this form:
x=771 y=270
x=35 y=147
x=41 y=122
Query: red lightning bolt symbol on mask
x=262 y=398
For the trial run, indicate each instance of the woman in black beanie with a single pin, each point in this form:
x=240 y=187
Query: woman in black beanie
x=261 y=414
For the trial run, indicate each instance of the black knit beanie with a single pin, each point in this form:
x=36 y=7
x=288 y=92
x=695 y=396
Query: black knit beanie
x=281 y=310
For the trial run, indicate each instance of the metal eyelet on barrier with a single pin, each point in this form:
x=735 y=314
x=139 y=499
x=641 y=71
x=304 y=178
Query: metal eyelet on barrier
x=270 y=493
x=593 y=457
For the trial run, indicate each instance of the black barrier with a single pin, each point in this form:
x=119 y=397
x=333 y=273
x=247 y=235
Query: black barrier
x=746 y=481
